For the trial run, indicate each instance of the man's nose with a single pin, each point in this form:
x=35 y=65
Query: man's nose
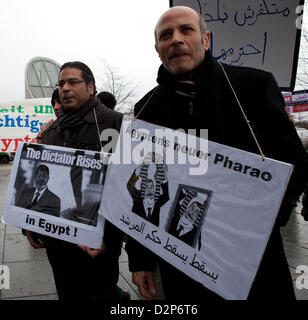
x=66 y=87
x=177 y=37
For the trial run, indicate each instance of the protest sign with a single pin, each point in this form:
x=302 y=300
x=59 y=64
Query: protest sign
x=20 y=121
x=212 y=223
x=261 y=34
x=70 y=185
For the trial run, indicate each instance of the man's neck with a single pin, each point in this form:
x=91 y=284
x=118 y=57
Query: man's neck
x=185 y=77
x=193 y=76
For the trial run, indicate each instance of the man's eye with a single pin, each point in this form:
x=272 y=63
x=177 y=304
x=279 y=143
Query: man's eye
x=187 y=29
x=164 y=36
x=73 y=82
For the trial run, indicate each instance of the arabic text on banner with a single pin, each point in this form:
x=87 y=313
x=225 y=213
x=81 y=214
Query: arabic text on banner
x=213 y=226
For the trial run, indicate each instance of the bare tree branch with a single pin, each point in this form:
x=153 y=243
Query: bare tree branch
x=123 y=90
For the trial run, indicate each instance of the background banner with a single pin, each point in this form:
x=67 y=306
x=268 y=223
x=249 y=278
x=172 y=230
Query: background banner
x=261 y=34
x=296 y=101
x=212 y=225
x=20 y=121
x=70 y=184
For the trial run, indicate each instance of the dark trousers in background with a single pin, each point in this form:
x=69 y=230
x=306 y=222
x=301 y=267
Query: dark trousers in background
x=78 y=276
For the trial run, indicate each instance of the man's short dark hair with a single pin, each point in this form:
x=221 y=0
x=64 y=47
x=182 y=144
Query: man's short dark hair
x=87 y=74
x=43 y=168
x=55 y=96
x=107 y=99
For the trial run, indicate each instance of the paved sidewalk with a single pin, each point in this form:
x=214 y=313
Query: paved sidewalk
x=295 y=239
x=31 y=276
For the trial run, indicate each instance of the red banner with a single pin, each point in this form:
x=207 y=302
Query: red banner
x=300 y=107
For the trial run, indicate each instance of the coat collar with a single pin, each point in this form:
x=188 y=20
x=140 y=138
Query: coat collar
x=203 y=71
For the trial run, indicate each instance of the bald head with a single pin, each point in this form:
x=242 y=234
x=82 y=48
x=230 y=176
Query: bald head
x=202 y=24
x=181 y=40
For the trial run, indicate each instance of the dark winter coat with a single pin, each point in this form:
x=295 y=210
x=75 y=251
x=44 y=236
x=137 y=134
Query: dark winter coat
x=214 y=107
x=85 y=136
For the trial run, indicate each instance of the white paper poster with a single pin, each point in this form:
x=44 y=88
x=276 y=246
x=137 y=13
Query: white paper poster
x=261 y=34
x=213 y=222
x=56 y=192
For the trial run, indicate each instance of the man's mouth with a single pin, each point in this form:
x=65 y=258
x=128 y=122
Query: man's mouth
x=67 y=98
x=177 y=54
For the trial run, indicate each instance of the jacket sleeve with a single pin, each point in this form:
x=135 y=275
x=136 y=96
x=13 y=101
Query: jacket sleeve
x=139 y=257
x=281 y=142
x=113 y=238
x=304 y=211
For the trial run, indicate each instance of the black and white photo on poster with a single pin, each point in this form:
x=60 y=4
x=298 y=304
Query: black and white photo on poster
x=187 y=214
x=57 y=191
x=212 y=225
x=148 y=187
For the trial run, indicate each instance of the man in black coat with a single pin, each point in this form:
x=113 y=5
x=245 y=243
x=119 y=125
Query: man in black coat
x=194 y=93
x=80 y=272
x=40 y=198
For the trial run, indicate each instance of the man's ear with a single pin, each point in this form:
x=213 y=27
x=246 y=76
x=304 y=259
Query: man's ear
x=91 y=88
x=206 y=39
x=157 y=50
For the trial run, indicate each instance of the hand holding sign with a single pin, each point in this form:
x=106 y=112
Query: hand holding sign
x=145 y=283
x=92 y=252
x=34 y=240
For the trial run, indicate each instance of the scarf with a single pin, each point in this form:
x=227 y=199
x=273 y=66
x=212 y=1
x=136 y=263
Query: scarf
x=184 y=88
x=200 y=74
x=187 y=89
x=69 y=119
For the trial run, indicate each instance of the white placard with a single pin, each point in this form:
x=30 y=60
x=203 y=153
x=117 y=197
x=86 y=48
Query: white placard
x=213 y=226
x=256 y=33
x=71 y=184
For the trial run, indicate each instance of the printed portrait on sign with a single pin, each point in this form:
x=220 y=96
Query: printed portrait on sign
x=64 y=184
x=39 y=197
x=148 y=187
x=187 y=214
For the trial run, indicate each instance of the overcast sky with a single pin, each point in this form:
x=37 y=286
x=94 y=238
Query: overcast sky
x=120 y=32
x=117 y=31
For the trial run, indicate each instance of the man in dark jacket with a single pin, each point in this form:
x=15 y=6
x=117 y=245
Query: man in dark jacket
x=194 y=92
x=81 y=272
